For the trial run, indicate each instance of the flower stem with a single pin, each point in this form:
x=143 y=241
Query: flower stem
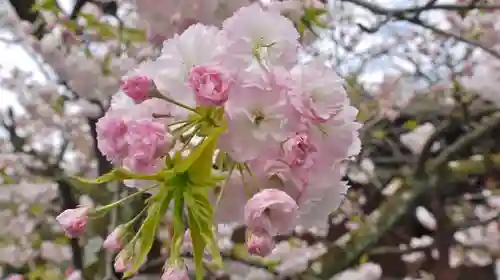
x=180 y=104
x=106 y=208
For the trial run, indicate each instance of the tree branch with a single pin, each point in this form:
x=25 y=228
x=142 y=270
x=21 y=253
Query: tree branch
x=338 y=258
x=405 y=15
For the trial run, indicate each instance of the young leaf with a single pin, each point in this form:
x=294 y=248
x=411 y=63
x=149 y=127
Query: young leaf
x=198 y=242
x=147 y=232
x=197 y=152
x=201 y=211
x=201 y=169
x=178 y=225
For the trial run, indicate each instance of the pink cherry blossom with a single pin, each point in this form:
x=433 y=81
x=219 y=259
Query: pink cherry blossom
x=137 y=87
x=257 y=116
x=148 y=141
x=319 y=92
x=272 y=38
x=260 y=245
x=338 y=137
x=114 y=241
x=110 y=137
x=298 y=150
x=175 y=274
x=198 y=45
x=211 y=86
x=74 y=221
x=271 y=212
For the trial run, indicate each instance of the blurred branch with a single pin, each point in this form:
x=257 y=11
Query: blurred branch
x=406 y=15
x=52 y=170
x=441 y=130
x=429 y=6
x=338 y=258
x=469 y=224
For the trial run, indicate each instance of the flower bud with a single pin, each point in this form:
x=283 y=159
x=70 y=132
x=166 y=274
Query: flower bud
x=211 y=86
x=114 y=241
x=137 y=88
x=74 y=221
x=270 y=212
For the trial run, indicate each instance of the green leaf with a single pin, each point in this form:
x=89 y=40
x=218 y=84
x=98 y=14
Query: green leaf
x=198 y=242
x=105 y=31
x=197 y=152
x=147 y=232
x=45 y=5
x=110 y=176
x=178 y=225
x=201 y=169
x=311 y=16
x=201 y=212
x=71 y=25
x=90 y=19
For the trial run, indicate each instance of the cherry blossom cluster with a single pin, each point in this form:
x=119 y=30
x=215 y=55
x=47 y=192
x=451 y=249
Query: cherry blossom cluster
x=174 y=16
x=284 y=127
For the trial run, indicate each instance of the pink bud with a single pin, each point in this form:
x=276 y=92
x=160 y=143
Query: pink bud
x=74 y=221
x=260 y=245
x=270 y=212
x=210 y=85
x=114 y=242
x=122 y=262
x=137 y=88
x=175 y=274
